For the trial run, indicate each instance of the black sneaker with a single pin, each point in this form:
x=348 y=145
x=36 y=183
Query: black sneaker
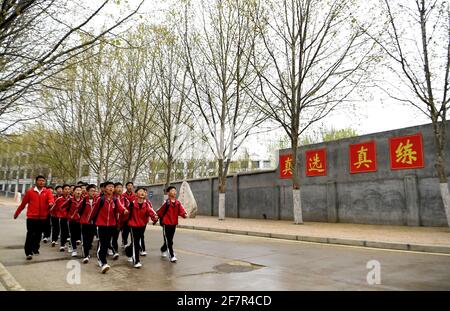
x=29 y=257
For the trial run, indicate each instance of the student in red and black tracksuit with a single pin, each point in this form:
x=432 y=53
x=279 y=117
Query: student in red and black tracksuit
x=168 y=214
x=59 y=191
x=38 y=201
x=104 y=216
x=73 y=216
x=59 y=218
x=48 y=225
x=118 y=191
x=130 y=196
x=88 y=229
x=140 y=211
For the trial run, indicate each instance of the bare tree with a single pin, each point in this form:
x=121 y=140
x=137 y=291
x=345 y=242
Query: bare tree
x=37 y=37
x=87 y=103
x=220 y=72
x=417 y=41
x=312 y=58
x=174 y=124
x=137 y=140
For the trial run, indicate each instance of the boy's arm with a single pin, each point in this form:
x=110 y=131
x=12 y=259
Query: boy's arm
x=50 y=199
x=94 y=209
x=152 y=213
x=182 y=212
x=24 y=202
x=121 y=208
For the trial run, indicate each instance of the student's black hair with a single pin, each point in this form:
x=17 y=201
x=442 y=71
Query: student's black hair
x=102 y=185
x=89 y=187
x=65 y=185
x=170 y=188
x=130 y=182
x=118 y=184
x=76 y=187
x=39 y=177
x=140 y=188
x=57 y=187
x=106 y=183
x=80 y=183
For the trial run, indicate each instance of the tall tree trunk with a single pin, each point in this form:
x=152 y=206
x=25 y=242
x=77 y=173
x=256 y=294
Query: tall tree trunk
x=168 y=172
x=296 y=193
x=440 y=140
x=222 y=190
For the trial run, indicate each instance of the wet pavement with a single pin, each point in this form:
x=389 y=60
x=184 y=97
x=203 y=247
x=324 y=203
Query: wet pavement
x=218 y=261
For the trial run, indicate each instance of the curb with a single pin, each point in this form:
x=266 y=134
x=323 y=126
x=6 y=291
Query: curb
x=337 y=241
x=9 y=282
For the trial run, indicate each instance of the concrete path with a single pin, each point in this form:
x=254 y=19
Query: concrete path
x=426 y=239
x=218 y=261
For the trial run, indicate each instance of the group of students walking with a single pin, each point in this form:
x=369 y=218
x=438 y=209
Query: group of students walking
x=77 y=214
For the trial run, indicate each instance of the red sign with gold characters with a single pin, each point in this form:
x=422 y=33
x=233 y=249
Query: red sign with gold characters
x=406 y=152
x=316 y=162
x=363 y=157
x=286 y=166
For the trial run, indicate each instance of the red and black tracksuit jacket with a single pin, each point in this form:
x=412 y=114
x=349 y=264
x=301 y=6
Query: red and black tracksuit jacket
x=59 y=209
x=175 y=209
x=73 y=211
x=140 y=215
x=106 y=215
x=38 y=204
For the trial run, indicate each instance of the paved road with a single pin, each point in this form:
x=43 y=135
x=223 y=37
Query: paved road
x=218 y=261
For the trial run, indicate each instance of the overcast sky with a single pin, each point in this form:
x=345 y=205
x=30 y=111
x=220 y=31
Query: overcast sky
x=376 y=113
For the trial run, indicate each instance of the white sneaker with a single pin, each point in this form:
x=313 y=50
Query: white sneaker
x=86 y=260
x=62 y=249
x=110 y=252
x=53 y=243
x=143 y=253
x=130 y=259
x=70 y=249
x=78 y=242
x=115 y=256
x=173 y=259
x=164 y=254
x=105 y=268
x=138 y=265
x=45 y=240
x=29 y=257
x=74 y=254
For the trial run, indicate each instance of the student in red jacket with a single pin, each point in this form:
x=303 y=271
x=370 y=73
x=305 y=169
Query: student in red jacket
x=140 y=212
x=118 y=194
x=105 y=218
x=87 y=227
x=38 y=201
x=59 y=191
x=168 y=214
x=73 y=218
x=130 y=196
x=59 y=218
x=48 y=224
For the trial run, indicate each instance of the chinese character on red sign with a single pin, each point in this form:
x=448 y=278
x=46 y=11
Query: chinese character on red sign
x=316 y=162
x=363 y=157
x=286 y=166
x=406 y=152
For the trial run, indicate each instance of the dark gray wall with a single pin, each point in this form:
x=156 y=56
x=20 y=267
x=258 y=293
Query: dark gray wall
x=402 y=197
